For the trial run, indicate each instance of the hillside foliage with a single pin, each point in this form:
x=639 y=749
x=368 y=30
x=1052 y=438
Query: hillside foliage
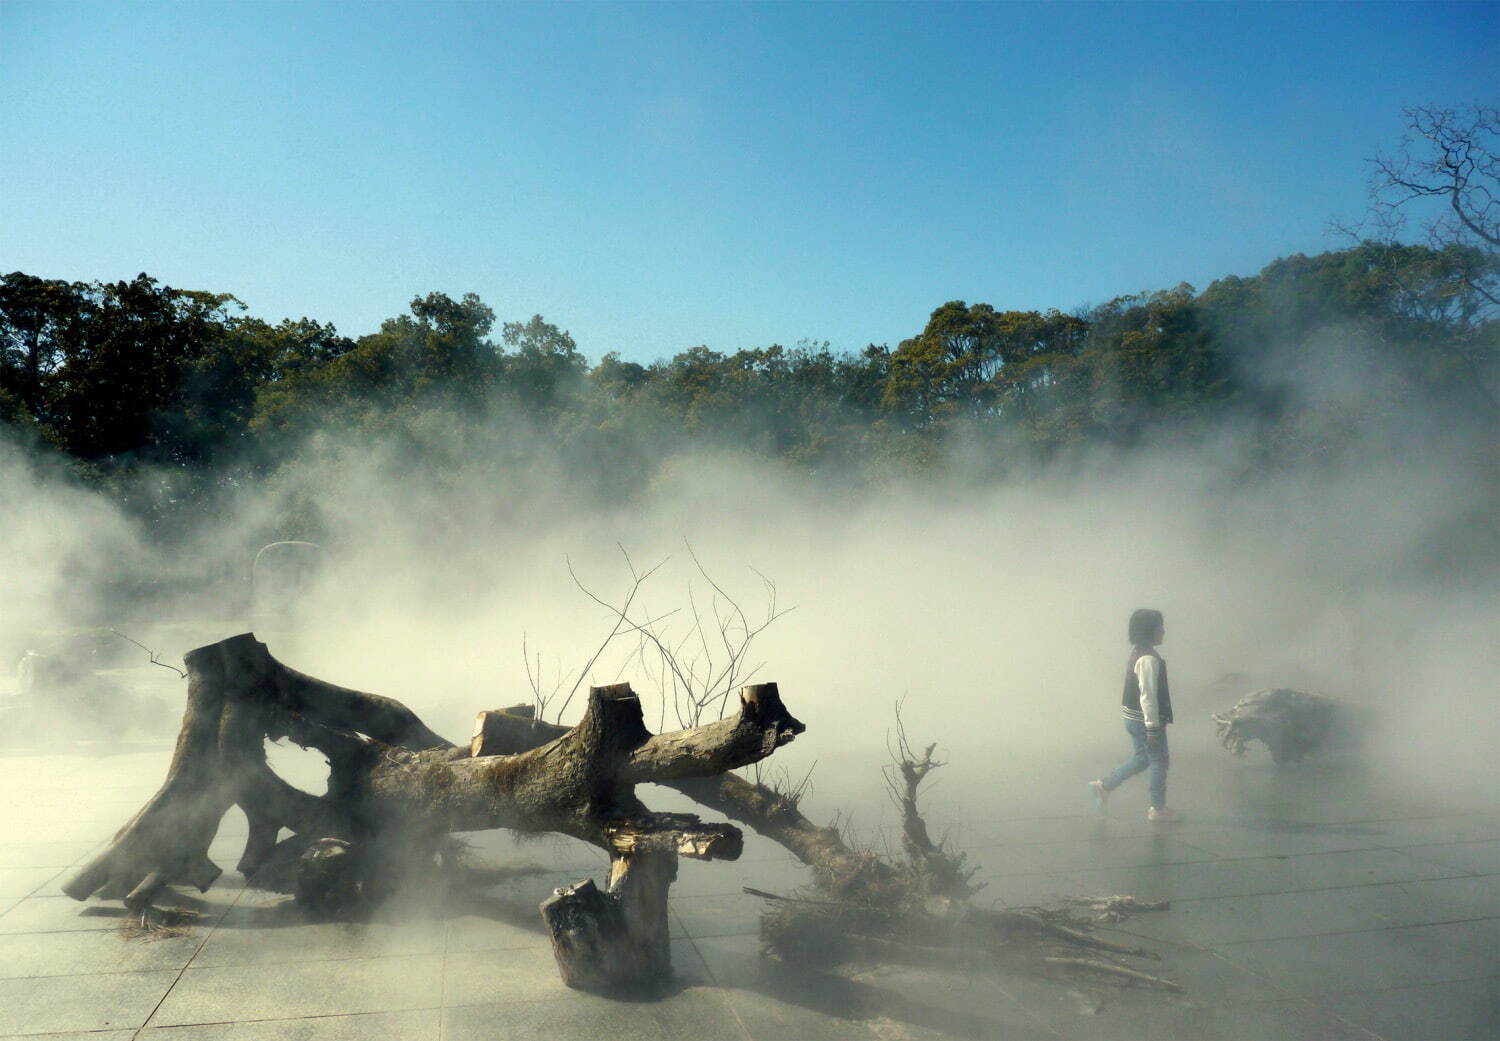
x=130 y=377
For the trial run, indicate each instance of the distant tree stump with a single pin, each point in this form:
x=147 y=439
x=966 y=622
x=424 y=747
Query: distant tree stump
x=1293 y=724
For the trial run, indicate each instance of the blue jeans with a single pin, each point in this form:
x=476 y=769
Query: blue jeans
x=1156 y=758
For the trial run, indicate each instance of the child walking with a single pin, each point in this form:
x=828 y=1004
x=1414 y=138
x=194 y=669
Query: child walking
x=1147 y=707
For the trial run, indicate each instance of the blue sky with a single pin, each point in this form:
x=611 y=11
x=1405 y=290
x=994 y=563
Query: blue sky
x=653 y=177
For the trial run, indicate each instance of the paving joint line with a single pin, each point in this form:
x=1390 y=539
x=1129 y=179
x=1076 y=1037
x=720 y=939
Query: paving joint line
x=275 y=1019
x=146 y=1023
x=713 y=977
x=1361 y=991
x=1331 y=889
x=1217 y=859
x=1358 y=932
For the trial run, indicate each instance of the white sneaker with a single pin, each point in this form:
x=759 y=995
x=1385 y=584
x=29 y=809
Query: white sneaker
x=1163 y=815
x=1100 y=794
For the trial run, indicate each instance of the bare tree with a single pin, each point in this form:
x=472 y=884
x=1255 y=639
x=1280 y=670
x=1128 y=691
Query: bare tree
x=1449 y=156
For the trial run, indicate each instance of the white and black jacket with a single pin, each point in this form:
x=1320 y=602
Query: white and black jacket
x=1147 y=695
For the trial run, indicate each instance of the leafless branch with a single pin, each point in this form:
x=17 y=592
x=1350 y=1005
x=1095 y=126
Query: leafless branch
x=937 y=862
x=540 y=697
x=155 y=659
x=695 y=667
x=1452 y=155
x=622 y=619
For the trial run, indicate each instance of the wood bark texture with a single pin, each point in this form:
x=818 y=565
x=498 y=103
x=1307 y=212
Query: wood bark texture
x=396 y=789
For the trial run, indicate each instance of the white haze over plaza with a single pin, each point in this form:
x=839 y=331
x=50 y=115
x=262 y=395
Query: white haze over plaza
x=656 y=177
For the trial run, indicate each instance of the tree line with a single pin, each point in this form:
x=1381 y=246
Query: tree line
x=120 y=375
x=121 y=379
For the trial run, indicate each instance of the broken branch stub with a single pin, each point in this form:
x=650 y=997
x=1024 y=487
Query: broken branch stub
x=762 y=725
x=605 y=940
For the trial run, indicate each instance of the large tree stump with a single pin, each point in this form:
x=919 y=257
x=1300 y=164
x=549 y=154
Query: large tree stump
x=396 y=788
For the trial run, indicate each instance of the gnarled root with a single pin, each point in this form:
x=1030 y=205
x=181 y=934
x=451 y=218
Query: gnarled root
x=1291 y=723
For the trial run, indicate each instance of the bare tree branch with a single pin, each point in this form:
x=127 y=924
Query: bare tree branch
x=155 y=659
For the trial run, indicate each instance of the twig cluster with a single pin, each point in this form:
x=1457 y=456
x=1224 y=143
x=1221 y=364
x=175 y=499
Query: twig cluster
x=695 y=666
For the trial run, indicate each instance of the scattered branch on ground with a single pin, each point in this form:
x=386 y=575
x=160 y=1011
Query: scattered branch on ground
x=158 y=923
x=1111 y=909
x=917 y=909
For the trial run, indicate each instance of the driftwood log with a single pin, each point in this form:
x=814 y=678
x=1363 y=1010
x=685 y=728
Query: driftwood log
x=396 y=789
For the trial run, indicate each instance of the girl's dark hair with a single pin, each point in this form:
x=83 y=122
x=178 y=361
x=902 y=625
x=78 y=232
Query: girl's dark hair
x=1144 y=625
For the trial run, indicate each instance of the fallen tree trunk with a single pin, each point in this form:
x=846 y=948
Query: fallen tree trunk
x=764 y=810
x=878 y=909
x=396 y=789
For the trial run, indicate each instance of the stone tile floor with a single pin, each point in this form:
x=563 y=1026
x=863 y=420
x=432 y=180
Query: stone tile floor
x=1306 y=903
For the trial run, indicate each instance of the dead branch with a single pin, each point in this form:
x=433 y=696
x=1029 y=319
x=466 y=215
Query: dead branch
x=941 y=868
x=155 y=659
x=1118 y=973
x=622 y=617
x=1113 y=909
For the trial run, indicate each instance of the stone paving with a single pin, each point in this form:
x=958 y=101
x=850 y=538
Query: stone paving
x=1306 y=903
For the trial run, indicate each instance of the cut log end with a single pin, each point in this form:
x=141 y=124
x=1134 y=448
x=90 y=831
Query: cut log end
x=613 y=724
x=510 y=731
x=680 y=833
